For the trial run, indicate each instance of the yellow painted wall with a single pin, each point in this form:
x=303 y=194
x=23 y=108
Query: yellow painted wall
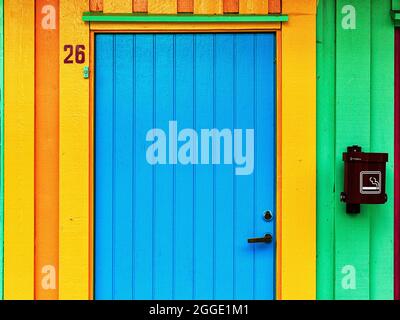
x=296 y=272
x=74 y=157
x=298 y=212
x=19 y=149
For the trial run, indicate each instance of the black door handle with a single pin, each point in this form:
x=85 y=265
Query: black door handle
x=266 y=239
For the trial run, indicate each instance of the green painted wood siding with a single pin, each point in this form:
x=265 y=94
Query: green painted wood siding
x=355 y=106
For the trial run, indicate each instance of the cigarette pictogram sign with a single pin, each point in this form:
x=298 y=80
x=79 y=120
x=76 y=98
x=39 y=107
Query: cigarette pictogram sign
x=370 y=182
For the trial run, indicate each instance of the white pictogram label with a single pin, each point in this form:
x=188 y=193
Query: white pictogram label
x=370 y=182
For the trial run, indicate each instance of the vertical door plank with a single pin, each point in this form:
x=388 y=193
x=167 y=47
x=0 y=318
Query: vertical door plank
x=118 y=6
x=74 y=156
x=244 y=117
x=231 y=6
x=164 y=188
x=353 y=66
x=326 y=51
x=123 y=175
x=208 y=6
x=204 y=210
x=382 y=140
x=162 y=6
x=46 y=149
x=139 y=5
x=184 y=175
x=265 y=161
x=253 y=7
x=19 y=150
x=96 y=5
x=223 y=175
x=104 y=120
x=274 y=6
x=144 y=178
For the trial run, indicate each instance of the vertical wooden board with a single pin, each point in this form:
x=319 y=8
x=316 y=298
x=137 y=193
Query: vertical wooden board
x=395 y=4
x=208 y=6
x=19 y=153
x=1 y=149
x=185 y=6
x=231 y=6
x=139 y=5
x=74 y=275
x=96 y=5
x=325 y=148
x=104 y=119
x=353 y=101
x=299 y=7
x=118 y=6
x=298 y=163
x=46 y=148
x=397 y=176
x=274 y=6
x=382 y=140
x=162 y=6
x=253 y=7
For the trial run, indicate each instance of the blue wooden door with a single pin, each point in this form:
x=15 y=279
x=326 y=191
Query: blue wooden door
x=184 y=166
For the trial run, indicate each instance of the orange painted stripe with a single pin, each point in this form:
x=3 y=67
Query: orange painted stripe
x=140 y=6
x=231 y=6
x=185 y=6
x=91 y=168
x=274 y=6
x=96 y=5
x=279 y=212
x=46 y=149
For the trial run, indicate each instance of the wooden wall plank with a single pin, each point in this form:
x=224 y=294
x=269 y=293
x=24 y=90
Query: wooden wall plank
x=397 y=172
x=162 y=6
x=208 y=6
x=353 y=126
x=362 y=106
x=118 y=6
x=1 y=150
x=253 y=7
x=139 y=5
x=46 y=148
x=185 y=6
x=231 y=6
x=74 y=275
x=299 y=7
x=326 y=51
x=274 y=6
x=96 y=5
x=382 y=140
x=19 y=149
x=298 y=164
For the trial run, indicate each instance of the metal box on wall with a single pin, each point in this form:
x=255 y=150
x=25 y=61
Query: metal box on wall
x=364 y=178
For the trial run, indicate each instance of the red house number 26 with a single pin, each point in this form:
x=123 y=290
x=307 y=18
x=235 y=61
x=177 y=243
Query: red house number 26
x=75 y=54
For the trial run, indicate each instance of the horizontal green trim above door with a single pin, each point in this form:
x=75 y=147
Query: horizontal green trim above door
x=100 y=17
